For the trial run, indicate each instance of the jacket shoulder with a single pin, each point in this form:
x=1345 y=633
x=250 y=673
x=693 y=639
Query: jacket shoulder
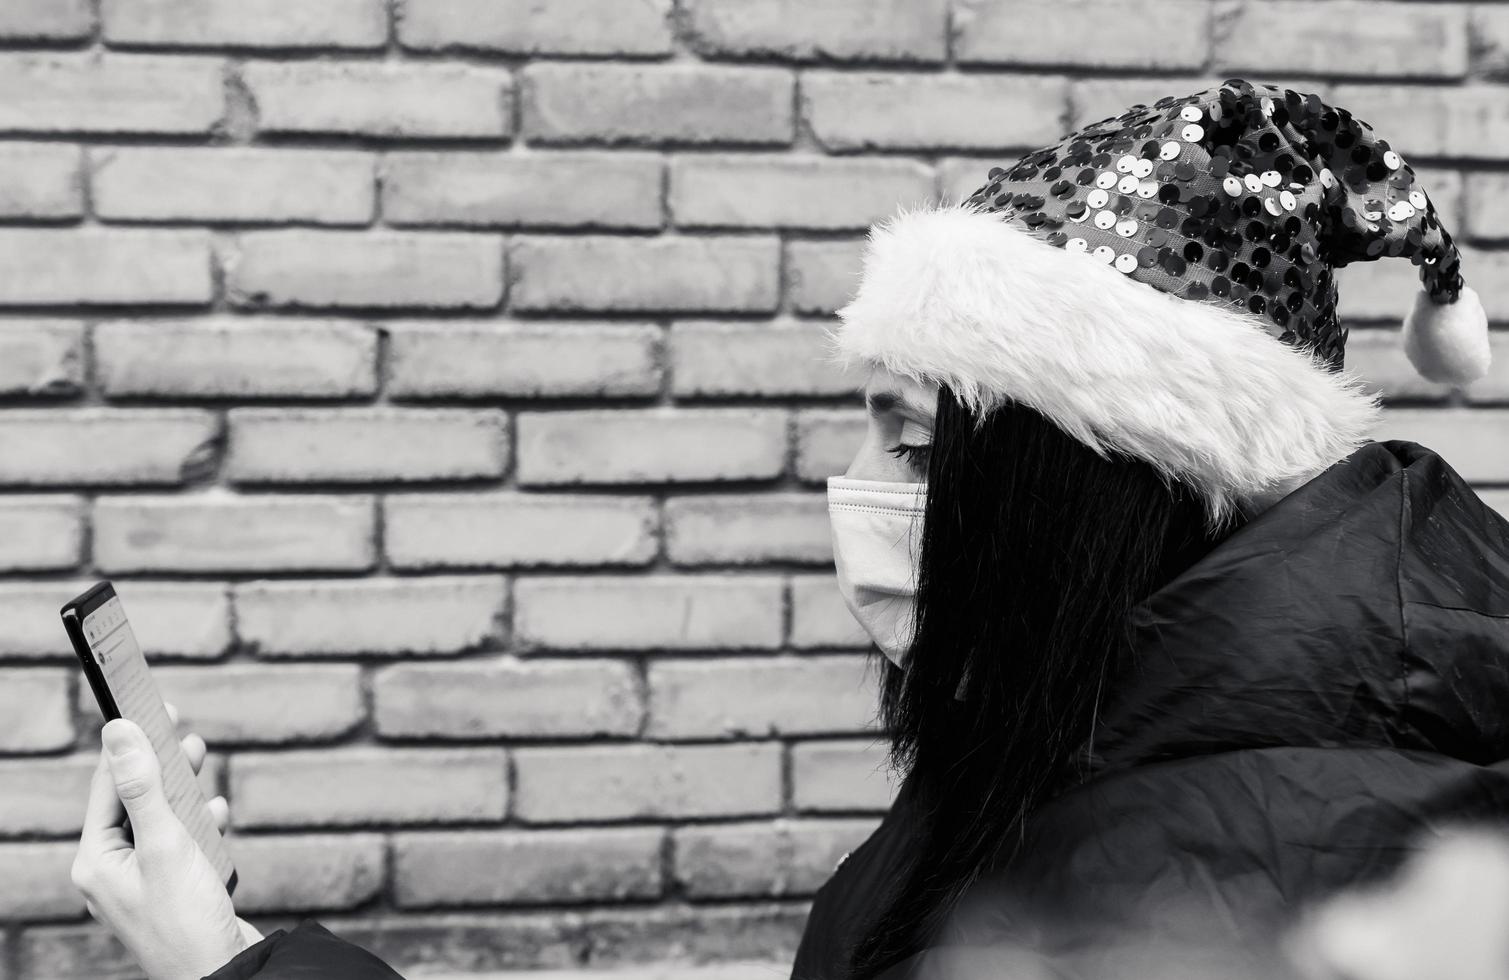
x=1453 y=547
x=1453 y=581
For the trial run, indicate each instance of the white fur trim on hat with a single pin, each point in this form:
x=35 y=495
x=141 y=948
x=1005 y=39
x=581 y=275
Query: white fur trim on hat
x=959 y=296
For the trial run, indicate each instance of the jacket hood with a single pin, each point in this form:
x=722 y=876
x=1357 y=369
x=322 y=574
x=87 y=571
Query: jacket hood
x=1368 y=609
x=1308 y=704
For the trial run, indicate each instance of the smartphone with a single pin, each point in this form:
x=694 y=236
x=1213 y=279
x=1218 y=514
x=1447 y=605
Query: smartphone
x=101 y=635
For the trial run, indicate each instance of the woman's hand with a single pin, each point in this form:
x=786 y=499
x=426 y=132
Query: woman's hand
x=160 y=896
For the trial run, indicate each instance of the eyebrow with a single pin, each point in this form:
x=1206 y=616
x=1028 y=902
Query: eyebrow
x=884 y=401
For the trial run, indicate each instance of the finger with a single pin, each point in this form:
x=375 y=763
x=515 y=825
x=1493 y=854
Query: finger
x=220 y=810
x=103 y=814
x=137 y=777
x=194 y=750
x=172 y=712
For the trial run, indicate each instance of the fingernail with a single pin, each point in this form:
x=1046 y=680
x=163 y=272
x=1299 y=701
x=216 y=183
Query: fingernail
x=117 y=737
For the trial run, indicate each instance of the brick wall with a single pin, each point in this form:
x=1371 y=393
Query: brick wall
x=439 y=382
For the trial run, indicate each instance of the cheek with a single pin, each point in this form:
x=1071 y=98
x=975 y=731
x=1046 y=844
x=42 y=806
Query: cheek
x=872 y=462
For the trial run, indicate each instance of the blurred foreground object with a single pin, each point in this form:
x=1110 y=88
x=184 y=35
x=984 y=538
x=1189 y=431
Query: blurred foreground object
x=1446 y=914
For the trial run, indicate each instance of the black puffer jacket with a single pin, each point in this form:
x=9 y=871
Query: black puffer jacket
x=1329 y=680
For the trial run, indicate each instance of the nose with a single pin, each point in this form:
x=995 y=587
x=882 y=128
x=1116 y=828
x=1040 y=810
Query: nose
x=872 y=462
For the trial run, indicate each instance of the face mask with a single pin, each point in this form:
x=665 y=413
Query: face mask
x=877 y=541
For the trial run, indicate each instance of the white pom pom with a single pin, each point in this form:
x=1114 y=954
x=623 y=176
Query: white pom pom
x=1448 y=343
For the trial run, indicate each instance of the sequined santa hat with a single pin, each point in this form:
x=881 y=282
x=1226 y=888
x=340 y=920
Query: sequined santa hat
x=1234 y=204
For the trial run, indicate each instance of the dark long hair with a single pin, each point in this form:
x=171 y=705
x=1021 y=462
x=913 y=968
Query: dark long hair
x=1034 y=552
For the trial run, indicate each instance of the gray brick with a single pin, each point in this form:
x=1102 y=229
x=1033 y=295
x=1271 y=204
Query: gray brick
x=52 y=20
x=568 y=189
x=1147 y=35
x=1344 y=37
x=626 y=28
x=247 y=23
x=684 y=103
x=871 y=30
x=381 y=99
x=703 y=273
x=792 y=191
x=874 y=110
x=111 y=93
x=40 y=180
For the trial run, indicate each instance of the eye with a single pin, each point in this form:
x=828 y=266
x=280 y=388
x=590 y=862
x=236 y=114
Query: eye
x=915 y=456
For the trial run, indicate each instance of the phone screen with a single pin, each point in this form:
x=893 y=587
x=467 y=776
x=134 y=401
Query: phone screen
x=118 y=662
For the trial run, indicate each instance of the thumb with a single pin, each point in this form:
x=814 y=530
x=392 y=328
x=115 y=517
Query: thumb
x=138 y=781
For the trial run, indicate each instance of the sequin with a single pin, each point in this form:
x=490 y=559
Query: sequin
x=1105 y=220
x=1286 y=200
x=1106 y=181
x=1253 y=182
x=1271 y=178
x=1417 y=198
x=1097 y=198
x=1190 y=114
x=1126 y=263
x=1273 y=207
x=1126 y=228
x=1076 y=245
x=1126 y=163
x=1143 y=169
x=1192 y=133
x=1327 y=179
x=1232 y=186
x=1170 y=151
x=1392 y=160
x=1104 y=253
x=1128 y=184
x=1147 y=189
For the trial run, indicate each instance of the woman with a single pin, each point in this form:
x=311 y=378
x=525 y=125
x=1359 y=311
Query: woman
x=1174 y=648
